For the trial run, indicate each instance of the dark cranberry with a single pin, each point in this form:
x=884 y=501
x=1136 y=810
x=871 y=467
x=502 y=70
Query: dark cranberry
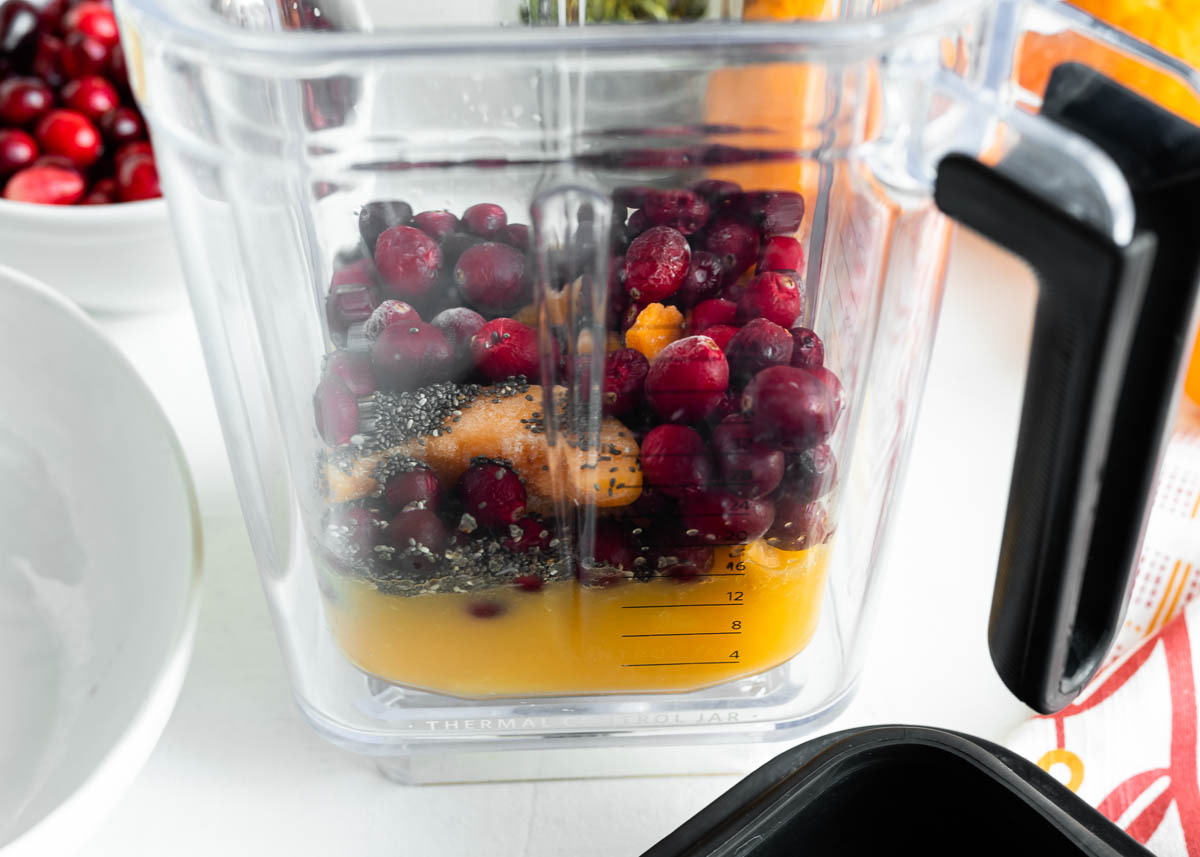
x=835 y=389
x=407 y=356
x=122 y=125
x=103 y=192
x=24 y=99
x=348 y=304
x=518 y=235
x=773 y=296
x=486 y=608
x=725 y=519
x=492 y=276
x=47 y=62
x=492 y=494
x=436 y=224
x=625 y=373
x=408 y=261
x=722 y=334
x=59 y=162
x=808 y=351
x=118 y=72
x=632 y=196
x=717 y=191
x=730 y=404
x=353 y=533
x=458 y=325
x=637 y=224
x=454 y=245
x=416 y=486
x=749 y=468
x=629 y=317
x=485 y=219
x=17 y=150
x=679 y=209
x=710 y=312
x=379 y=215
x=354 y=368
x=47 y=185
x=95 y=20
x=702 y=280
x=386 y=314
x=618 y=298
x=809 y=475
x=142 y=147
x=527 y=535
x=777 y=212
x=527 y=582
x=50 y=18
x=735 y=242
x=416 y=528
x=759 y=344
x=780 y=253
x=336 y=411
x=791 y=406
x=609 y=551
x=361 y=271
x=137 y=178
x=798 y=525
x=675 y=460
x=687 y=379
x=82 y=55
x=656 y=264
x=503 y=348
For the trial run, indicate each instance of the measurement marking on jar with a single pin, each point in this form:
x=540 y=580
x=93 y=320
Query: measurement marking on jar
x=689 y=634
x=661 y=606
x=680 y=664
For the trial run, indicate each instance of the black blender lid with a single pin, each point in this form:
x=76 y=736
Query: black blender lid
x=897 y=790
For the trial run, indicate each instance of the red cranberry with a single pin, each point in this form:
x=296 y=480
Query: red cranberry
x=122 y=125
x=638 y=223
x=519 y=236
x=609 y=551
x=675 y=460
x=380 y=215
x=142 y=147
x=409 y=487
x=137 y=178
x=759 y=344
x=702 y=280
x=24 y=99
x=50 y=18
x=47 y=185
x=722 y=334
x=95 y=20
x=808 y=351
x=687 y=379
x=360 y=271
x=436 y=224
x=656 y=264
x=492 y=276
x=485 y=220
x=625 y=373
x=749 y=468
x=711 y=312
x=386 y=314
x=91 y=96
x=503 y=348
x=492 y=494
x=632 y=196
x=725 y=519
x=82 y=55
x=798 y=525
x=103 y=192
x=416 y=528
x=525 y=536
x=354 y=533
x=118 y=71
x=17 y=150
x=486 y=608
x=735 y=242
x=679 y=209
x=407 y=356
x=717 y=191
x=59 y=162
x=354 y=368
x=526 y=582
x=348 y=304
x=789 y=405
x=408 y=261
x=730 y=404
x=781 y=253
x=835 y=389
x=777 y=212
x=773 y=296
x=336 y=411
x=809 y=475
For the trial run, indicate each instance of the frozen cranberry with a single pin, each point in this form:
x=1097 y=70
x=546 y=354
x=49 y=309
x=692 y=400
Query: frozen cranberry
x=408 y=261
x=749 y=468
x=730 y=404
x=354 y=368
x=142 y=147
x=386 y=314
x=525 y=536
x=625 y=373
x=679 y=209
x=458 y=325
x=93 y=19
x=82 y=55
x=122 y=125
x=717 y=191
x=454 y=245
x=518 y=235
x=735 y=242
x=675 y=460
x=604 y=553
x=353 y=533
x=687 y=379
x=773 y=296
x=436 y=224
x=485 y=219
x=347 y=304
x=702 y=280
x=722 y=334
x=48 y=185
x=416 y=486
x=835 y=389
x=632 y=196
x=416 y=528
x=24 y=99
x=810 y=474
x=656 y=264
x=789 y=405
x=379 y=215
x=710 y=312
x=407 y=356
x=759 y=344
x=492 y=494
x=777 y=212
x=503 y=348
x=17 y=150
x=336 y=411
x=798 y=525
x=808 y=351
x=137 y=178
x=725 y=519
x=103 y=192
x=486 y=608
x=492 y=276
x=637 y=224
x=780 y=253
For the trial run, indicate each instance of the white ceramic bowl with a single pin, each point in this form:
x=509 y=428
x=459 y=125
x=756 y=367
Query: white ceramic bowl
x=99 y=566
x=107 y=258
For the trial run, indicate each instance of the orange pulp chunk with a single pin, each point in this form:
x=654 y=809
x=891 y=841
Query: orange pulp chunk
x=657 y=636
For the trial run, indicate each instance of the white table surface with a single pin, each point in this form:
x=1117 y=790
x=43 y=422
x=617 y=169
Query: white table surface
x=238 y=772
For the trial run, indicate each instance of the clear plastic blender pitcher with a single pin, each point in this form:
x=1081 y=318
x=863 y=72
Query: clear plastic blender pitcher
x=569 y=372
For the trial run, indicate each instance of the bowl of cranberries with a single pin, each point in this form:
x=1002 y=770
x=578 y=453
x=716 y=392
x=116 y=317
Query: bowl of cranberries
x=80 y=203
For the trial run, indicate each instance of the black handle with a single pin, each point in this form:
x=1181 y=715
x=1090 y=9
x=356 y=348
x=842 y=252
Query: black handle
x=1111 y=326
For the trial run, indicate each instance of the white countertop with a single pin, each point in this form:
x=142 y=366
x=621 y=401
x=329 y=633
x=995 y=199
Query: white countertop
x=238 y=772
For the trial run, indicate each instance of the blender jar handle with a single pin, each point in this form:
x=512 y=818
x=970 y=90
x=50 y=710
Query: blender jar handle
x=1111 y=326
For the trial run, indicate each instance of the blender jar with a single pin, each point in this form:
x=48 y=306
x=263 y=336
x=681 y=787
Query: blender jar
x=568 y=372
